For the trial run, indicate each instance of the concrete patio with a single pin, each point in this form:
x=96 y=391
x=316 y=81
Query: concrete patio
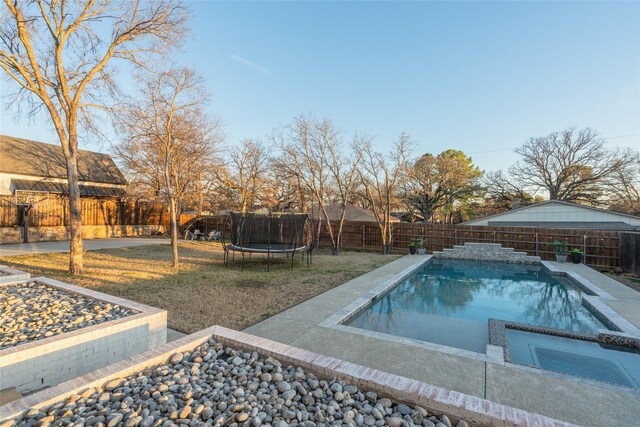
x=559 y=396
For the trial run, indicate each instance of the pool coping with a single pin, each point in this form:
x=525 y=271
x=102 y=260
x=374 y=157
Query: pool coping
x=623 y=333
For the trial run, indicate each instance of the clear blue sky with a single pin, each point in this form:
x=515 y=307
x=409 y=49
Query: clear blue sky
x=472 y=76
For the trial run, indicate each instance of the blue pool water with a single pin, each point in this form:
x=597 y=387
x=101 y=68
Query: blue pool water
x=449 y=302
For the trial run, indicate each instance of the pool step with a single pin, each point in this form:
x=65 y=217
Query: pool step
x=486 y=252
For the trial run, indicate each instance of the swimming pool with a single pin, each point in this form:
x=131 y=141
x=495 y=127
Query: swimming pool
x=449 y=302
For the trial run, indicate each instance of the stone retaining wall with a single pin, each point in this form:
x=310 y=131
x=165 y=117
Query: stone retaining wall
x=487 y=252
x=46 y=234
x=456 y=405
x=51 y=361
x=10 y=235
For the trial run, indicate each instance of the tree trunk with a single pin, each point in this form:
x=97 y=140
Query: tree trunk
x=318 y=231
x=334 y=241
x=383 y=236
x=174 y=231
x=200 y=196
x=75 y=211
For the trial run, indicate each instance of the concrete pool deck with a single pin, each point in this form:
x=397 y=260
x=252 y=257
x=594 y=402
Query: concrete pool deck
x=556 y=395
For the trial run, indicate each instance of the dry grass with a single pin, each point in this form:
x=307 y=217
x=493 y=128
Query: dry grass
x=203 y=292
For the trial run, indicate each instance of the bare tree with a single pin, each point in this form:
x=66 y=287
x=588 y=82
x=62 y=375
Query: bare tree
x=313 y=154
x=504 y=192
x=624 y=188
x=571 y=165
x=58 y=53
x=381 y=176
x=168 y=135
x=285 y=193
x=247 y=175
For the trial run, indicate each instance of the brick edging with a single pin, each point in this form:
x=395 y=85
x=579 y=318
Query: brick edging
x=436 y=399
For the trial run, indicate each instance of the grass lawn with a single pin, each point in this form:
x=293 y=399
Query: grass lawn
x=203 y=292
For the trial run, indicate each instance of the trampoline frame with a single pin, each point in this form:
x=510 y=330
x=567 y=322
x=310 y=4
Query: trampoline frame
x=269 y=248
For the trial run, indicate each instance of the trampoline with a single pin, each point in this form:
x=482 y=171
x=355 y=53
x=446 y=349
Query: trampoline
x=269 y=234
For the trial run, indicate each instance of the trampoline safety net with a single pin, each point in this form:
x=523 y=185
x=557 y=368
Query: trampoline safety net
x=274 y=233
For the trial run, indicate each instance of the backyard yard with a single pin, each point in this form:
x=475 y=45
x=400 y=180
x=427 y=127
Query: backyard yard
x=203 y=292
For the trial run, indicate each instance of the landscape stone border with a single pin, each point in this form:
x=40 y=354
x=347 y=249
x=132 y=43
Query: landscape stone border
x=11 y=275
x=52 y=360
x=436 y=399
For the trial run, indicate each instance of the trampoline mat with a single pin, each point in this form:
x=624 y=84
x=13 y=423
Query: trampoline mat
x=264 y=248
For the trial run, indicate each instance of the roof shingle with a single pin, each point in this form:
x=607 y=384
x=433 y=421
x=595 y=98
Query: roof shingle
x=26 y=157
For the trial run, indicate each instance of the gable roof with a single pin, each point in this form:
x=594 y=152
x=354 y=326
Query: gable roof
x=591 y=225
x=352 y=213
x=552 y=202
x=34 y=158
x=55 y=187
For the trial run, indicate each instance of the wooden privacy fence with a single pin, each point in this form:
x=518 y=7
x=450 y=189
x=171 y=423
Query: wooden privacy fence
x=630 y=252
x=601 y=247
x=54 y=212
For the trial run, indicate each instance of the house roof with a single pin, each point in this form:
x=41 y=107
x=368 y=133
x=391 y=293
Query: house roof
x=352 y=213
x=55 y=187
x=33 y=158
x=552 y=202
x=591 y=225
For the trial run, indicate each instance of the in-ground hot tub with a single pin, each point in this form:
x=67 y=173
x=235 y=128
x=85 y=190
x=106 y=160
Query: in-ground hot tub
x=52 y=331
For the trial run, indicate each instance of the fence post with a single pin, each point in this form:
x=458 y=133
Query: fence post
x=537 y=250
x=455 y=236
x=584 y=248
x=363 y=236
x=494 y=236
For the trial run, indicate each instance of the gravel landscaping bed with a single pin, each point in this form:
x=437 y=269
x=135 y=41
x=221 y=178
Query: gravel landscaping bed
x=33 y=311
x=217 y=386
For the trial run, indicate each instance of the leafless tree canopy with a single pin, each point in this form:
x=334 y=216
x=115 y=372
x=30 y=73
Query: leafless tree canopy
x=571 y=165
x=247 y=174
x=380 y=176
x=59 y=55
x=502 y=189
x=313 y=156
x=169 y=139
x=624 y=187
